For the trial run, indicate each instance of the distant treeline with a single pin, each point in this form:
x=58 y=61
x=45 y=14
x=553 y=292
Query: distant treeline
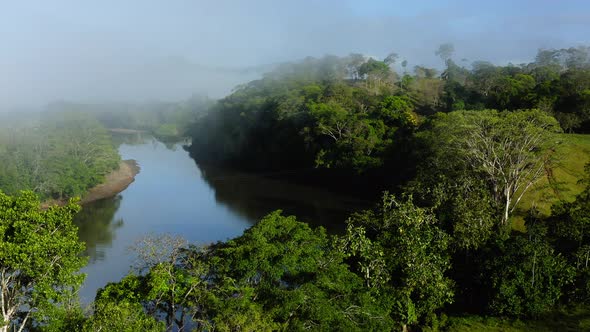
x=166 y=120
x=67 y=149
x=357 y=112
x=61 y=155
x=431 y=257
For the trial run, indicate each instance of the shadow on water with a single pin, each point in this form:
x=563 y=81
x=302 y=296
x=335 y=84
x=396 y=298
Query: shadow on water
x=136 y=138
x=253 y=196
x=97 y=226
x=173 y=195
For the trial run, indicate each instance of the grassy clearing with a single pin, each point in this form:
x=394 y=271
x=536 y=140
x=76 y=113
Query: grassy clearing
x=561 y=179
x=573 y=319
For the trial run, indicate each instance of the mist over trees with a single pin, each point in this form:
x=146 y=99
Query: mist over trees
x=61 y=156
x=457 y=149
x=351 y=112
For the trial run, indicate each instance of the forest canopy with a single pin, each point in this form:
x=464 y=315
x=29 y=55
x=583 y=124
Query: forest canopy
x=60 y=156
x=355 y=112
x=457 y=151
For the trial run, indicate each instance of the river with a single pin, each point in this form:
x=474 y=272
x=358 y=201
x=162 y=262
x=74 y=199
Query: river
x=173 y=195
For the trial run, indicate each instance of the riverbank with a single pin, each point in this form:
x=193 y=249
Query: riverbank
x=114 y=183
x=125 y=131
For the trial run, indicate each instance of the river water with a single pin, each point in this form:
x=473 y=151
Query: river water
x=173 y=195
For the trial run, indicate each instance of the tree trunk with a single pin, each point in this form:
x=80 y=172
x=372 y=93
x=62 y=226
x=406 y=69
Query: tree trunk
x=534 y=265
x=506 y=209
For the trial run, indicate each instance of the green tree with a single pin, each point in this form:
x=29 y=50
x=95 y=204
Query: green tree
x=526 y=276
x=398 y=111
x=333 y=119
x=40 y=256
x=280 y=274
x=299 y=278
x=569 y=226
x=123 y=316
x=356 y=139
x=378 y=76
x=354 y=62
x=514 y=92
x=426 y=90
x=507 y=150
x=401 y=251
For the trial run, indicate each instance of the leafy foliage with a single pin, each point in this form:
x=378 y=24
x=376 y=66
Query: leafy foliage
x=39 y=259
x=479 y=138
x=279 y=274
x=527 y=276
x=62 y=157
x=401 y=250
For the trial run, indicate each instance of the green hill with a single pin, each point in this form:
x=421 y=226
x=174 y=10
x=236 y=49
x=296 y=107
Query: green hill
x=561 y=179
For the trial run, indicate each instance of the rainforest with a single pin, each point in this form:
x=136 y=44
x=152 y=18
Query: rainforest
x=348 y=192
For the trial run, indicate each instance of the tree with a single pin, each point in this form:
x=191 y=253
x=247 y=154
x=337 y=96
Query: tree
x=524 y=274
x=513 y=92
x=570 y=221
x=124 y=316
x=426 y=90
x=333 y=119
x=40 y=256
x=456 y=192
x=377 y=75
x=569 y=227
x=354 y=62
x=391 y=59
x=509 y=150
x=484 y=77
x=299 y=278
x=280 y=274
x=397 y=111
x=445 y=52
x=166 y=284
x=400 y=250
x=356 y=139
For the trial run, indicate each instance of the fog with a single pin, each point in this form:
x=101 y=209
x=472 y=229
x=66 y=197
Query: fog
x=139 y=50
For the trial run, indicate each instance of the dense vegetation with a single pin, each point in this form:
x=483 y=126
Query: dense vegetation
x=39 y=262
x=357 y=113
x=61 y=155
x=395 y=267
x=67 y=149
x=439 y=254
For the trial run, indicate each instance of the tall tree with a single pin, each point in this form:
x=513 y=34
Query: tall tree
x=509 y=150
x=445 y=52
x=391 y=58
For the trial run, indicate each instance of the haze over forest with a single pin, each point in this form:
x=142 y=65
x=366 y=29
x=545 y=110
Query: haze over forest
x=311 y=165
x=168 y=50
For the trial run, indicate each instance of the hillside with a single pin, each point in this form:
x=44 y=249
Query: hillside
x=561 y=179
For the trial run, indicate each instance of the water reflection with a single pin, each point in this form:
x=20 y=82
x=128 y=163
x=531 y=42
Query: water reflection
x=253 y=196
x=172 y=195
x=130 y=138
x=97 y=226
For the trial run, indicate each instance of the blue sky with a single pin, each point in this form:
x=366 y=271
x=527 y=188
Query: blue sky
x=81 y=49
